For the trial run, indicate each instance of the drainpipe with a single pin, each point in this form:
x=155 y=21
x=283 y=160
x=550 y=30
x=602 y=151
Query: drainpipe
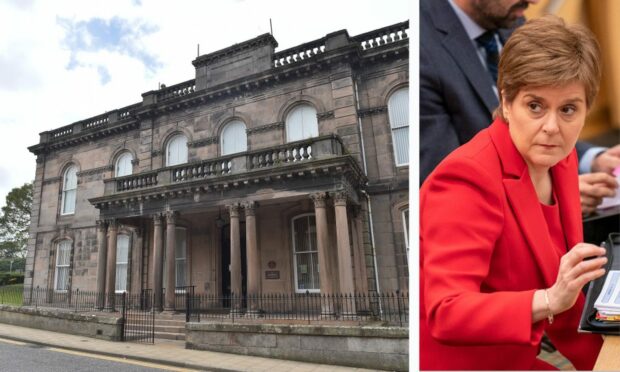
x=372 y=234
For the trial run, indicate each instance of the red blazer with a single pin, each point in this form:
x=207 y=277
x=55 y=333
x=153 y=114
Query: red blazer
x=485 y=249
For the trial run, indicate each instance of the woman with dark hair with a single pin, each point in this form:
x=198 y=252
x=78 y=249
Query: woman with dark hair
x=502 y=257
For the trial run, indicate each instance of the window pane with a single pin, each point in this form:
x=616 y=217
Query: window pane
x=122 y=249
x=70 y=181
x=234 y=138
x=306 y=255
x=301 y=123
x=68 y=202
x=121 y=277
x=177 y=151
x=401 y=145
x=398 y=108
x=180 y=253
x=123 y=165
x=62 y=278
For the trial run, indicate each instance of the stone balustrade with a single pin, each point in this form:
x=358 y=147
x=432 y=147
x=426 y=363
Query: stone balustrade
x=62 y=132
x=177 y=90
x=383 y=36
x=203 y=169
x=299 y=53
x=304 y=151
x=138 y=181
x=96 y=121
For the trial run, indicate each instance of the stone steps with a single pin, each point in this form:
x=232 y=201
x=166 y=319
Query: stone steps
x=170 y=326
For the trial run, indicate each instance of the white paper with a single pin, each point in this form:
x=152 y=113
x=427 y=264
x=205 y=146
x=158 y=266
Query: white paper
x=613 y=201
x=608 y=300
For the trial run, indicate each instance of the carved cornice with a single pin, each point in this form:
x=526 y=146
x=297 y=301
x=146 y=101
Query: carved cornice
x=203 y=142
x=266 y=127
x=371 y=111
x=90 y=172
x=324 y=115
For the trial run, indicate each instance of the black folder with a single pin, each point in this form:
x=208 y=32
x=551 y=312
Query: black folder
x=588 y=321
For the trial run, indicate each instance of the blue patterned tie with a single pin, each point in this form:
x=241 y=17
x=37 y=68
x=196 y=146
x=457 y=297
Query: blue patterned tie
x=488 y=42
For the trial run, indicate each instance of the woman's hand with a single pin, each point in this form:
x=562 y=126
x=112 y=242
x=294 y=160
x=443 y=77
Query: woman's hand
x=574 y=273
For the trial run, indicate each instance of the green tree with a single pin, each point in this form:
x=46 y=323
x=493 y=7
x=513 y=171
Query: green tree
x=15 y=221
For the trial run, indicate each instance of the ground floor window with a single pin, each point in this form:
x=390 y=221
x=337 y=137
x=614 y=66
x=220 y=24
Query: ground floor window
x=122 y=257
x=306 y=259
x=180 y=253
x=63 y=259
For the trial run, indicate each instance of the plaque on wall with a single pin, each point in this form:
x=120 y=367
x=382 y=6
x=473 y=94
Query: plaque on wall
x=272 y=274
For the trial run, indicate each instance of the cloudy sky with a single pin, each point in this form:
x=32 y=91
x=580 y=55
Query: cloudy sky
x=64 y=61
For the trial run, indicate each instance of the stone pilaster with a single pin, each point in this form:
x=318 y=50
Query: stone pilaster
x=345 y=268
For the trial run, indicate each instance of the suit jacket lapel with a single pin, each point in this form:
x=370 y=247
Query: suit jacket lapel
x=456 y=42
x=566 y=187
x=524 y=203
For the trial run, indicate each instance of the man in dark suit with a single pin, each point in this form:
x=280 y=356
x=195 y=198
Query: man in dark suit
x=457 y=85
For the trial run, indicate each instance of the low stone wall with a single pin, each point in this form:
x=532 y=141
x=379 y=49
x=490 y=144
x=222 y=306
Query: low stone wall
x=357 y=346
x=57 y=320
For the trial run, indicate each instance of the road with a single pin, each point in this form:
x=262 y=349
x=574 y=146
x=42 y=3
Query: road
x=24 y=357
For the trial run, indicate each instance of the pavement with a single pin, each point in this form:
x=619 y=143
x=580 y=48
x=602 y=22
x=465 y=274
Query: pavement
x=166 y=352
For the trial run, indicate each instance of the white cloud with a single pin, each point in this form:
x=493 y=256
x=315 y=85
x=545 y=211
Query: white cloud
x=39 y=93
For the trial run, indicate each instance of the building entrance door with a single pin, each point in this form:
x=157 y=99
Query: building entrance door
x=225 y=239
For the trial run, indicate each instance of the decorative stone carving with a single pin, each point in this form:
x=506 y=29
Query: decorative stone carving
x=250 y=208
x=324 y=115
x=266 y=127
x=102 y=225
x=171 y=217
x=340 y=197
x=203 y=142
x=233 y=209
x=371 y=111
x=319 y=199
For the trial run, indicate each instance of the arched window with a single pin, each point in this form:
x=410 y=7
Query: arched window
x=234 y=138
x=63 y=260
x=301 y=123
x=306 y=255
x=123 y=165
x=398 y=110
x=69 y=188
x=176 y=151
x=122 y=258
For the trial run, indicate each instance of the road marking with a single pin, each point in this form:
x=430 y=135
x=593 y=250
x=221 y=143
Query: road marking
x=122 y=360
x=12 y=342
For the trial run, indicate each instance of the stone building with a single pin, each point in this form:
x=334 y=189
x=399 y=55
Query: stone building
x=264 y=168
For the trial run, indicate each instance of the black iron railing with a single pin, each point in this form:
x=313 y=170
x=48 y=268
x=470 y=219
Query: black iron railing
x=388 y=308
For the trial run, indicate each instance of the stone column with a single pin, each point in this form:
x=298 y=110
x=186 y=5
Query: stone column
x=253 y=258
x=322 y=242
x=158 y=262
x=235 y=255
x=171 y=220
x=102 y=256
x=110 y=287
x=344 y=252
x=359 y=256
